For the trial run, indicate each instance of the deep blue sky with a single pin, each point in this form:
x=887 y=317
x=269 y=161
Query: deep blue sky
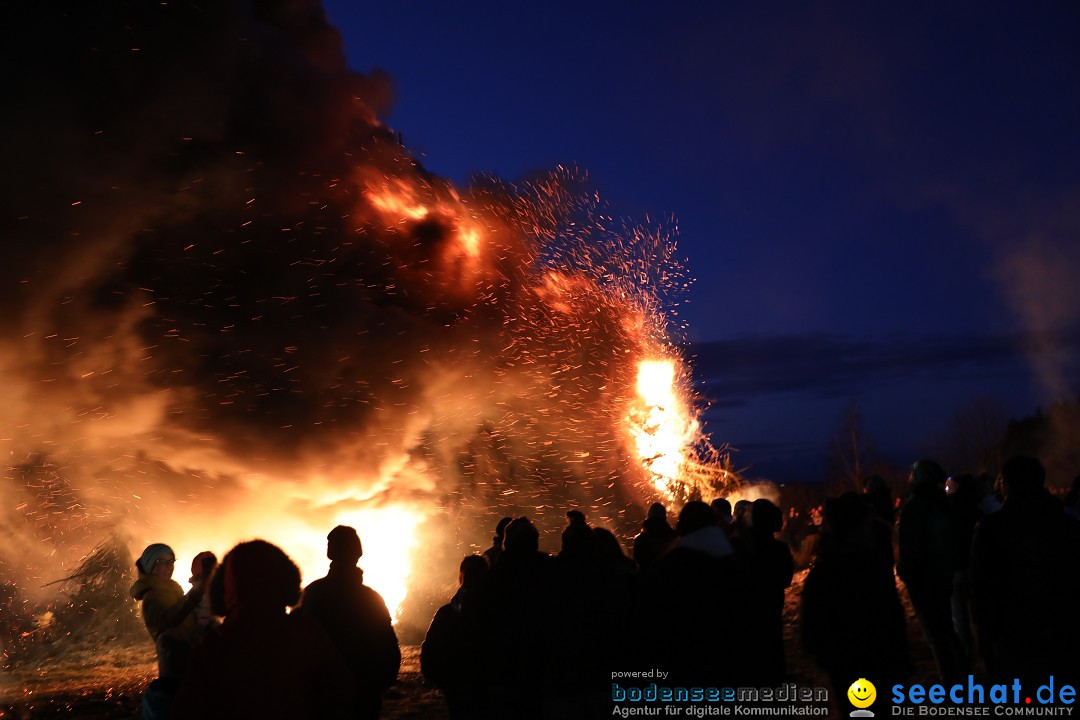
x=851 y=180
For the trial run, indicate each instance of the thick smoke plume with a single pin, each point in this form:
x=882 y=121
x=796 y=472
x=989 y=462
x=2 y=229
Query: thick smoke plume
x=234 y=305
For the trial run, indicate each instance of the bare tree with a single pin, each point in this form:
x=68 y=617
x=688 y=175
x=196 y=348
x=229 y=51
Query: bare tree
x=972 y=441
x=851 y=452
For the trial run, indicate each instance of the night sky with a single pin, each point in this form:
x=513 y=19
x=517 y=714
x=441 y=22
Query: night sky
x=880 y=203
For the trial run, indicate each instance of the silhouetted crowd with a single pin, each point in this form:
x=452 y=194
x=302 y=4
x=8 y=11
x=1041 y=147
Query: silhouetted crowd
x=228 y=648
x=992 y=570
x=530 y=635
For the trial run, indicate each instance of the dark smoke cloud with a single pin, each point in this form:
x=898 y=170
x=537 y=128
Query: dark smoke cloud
x=232 y=297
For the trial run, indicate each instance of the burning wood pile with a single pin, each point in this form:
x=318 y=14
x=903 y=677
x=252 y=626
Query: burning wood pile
x=90 y=609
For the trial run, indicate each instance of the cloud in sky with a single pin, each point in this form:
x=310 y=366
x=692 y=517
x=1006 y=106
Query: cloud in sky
x=777 y=399
x=832 y=365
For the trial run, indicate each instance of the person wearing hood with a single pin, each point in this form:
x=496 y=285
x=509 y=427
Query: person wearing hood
x=655 y=539
x=698 y=530
x=356 y=618
x=262 y=662
x=169 y=616
x=162 y=601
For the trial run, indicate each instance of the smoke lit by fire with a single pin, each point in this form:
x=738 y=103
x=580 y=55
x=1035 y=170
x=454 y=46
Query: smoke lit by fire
x=235 y=306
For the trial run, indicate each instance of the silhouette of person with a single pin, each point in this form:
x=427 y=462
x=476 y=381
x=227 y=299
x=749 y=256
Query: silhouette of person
x=584 y=620
x=722 y=508
x=163 y=603
x=202 y=567
x=261 y=662
x=1072 y=499
x=493 y=552
x=926 y=564
x=740 y=523
x=964 y=515
x=1025 y=580
x=656 y=537
x=619 y=599
x=356 y=619
x=851 y=616
x=770 y=569
x=522 y=607
x=877 y=492
x=454 y=653
x=695 y=584
x=612 y=556
x=169 y=616
x=578 y=541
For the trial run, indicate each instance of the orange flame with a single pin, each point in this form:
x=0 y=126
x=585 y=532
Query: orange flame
x=389 y=535
x=661 y=424
x=398 y=202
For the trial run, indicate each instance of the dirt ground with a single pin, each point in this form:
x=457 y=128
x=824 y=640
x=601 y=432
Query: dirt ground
x=108 y=684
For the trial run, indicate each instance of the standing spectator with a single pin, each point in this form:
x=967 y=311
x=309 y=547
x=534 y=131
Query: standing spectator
x=739 y=530
x=169 y=616
x=202 y=567
x=356 y=619
x=964 y=515
x=926 y=564
x=492 y=553
x=521 y=584
x=852 y=619
x=655 y=539
x=691 y=587
x=1072 y=499
x=877 y=492
x=454 y=655
x=1025 y=580
x=770 y=569
x=261 y=662
x=162 y=601
x=722 y=508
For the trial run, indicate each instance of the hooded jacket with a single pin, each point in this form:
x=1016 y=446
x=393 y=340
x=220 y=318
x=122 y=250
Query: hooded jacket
x=164 y=604
x=710 y=540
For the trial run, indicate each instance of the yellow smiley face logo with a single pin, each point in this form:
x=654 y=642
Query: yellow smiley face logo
x=862 y=693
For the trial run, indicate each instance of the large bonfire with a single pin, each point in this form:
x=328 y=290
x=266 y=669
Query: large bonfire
x=235 y=306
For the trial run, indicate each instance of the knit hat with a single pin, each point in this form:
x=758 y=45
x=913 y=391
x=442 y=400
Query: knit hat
x=152 y=555
x=343 y=544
